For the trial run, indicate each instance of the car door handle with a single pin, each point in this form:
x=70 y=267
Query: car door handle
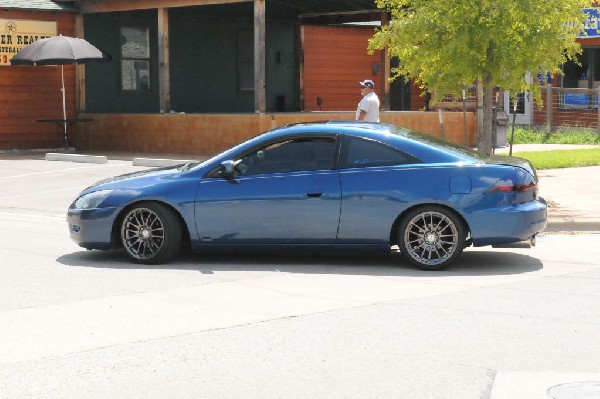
x=314 y=195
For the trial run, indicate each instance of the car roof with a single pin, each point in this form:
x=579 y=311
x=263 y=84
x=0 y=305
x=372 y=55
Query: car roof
x=423 y=146
x=335 y=126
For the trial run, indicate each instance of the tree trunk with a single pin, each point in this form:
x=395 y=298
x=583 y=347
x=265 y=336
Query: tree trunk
x=485 y=144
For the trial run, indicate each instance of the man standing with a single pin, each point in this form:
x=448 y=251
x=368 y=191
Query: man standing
x=368 y=107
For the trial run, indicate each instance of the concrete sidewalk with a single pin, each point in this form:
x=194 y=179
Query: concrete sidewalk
x=573 y=194
x=542 y=147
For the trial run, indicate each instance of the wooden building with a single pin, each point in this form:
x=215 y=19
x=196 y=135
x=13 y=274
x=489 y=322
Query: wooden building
x=335 y=56
x=573 y=98
x=196 y=76
x=31 y=93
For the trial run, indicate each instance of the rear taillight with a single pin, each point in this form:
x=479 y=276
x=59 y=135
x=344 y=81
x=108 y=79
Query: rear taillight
x=507 y=187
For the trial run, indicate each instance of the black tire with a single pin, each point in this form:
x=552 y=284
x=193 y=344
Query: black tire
x=150 y=233
x=431 y=237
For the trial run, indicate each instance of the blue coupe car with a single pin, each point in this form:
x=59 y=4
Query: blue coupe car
x=354 y=185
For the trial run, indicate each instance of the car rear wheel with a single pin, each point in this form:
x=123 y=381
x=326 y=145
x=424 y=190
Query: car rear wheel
x=151 y=233
x=431 y=238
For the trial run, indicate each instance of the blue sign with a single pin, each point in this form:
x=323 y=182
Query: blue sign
x=591 y=27
x=544 y=78
x=580 y=100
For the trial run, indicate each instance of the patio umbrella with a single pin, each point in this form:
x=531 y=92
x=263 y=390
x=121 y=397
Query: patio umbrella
x=60 y=50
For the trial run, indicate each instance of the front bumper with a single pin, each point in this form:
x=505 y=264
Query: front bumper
x=92 y=228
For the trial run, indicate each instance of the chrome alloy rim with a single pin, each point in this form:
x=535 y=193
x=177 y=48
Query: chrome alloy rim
x=431 y=238
x=142 y=233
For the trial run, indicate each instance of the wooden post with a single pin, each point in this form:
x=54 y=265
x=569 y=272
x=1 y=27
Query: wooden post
x=385 y=73
x=260 y=102
x=464 y=104
x=548 y=108
x=164 y=78
x=300 y=58
x=79 y=70
x=479 y=114
x=598 y=105
x=441 y=118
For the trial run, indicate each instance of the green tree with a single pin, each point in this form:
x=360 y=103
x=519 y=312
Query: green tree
x=448 y=45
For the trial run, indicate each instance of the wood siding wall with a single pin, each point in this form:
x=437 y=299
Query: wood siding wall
x=29 y=93
x=335 y=60
x=206 y=134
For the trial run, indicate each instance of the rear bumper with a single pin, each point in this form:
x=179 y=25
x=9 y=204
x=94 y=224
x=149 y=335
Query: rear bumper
x=509 y=224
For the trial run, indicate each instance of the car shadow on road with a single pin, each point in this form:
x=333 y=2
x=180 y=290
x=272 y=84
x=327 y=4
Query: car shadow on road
x=471 y=263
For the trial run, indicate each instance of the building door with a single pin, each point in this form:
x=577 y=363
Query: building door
x=399 y=91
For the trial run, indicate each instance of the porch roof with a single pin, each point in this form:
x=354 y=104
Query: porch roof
x=309 y=8
x=38 y=5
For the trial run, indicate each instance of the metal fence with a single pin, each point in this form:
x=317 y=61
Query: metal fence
x=567 y=107
x=561 y=107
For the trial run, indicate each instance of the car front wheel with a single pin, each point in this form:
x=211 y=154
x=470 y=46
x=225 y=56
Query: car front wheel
x=151 y=233
x=431 y=238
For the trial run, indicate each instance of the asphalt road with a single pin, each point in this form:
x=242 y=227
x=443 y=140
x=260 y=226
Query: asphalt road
x=500 y=324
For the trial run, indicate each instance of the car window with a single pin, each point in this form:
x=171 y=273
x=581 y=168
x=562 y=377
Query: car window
x=362 y=153
x=314 y=153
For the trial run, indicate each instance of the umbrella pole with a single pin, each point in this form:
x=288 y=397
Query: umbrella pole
x=62 y=74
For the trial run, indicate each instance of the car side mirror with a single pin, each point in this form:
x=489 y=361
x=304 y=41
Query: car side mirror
x=227 y=169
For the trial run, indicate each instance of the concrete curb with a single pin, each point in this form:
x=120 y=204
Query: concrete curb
x=158 y=162
x=55 y=156
x=572 y=225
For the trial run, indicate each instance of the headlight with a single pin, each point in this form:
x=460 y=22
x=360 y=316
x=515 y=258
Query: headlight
x=91 y=200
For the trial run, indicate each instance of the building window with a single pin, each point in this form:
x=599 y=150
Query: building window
x=135 y=59
x=246 y=60
x=587 y=74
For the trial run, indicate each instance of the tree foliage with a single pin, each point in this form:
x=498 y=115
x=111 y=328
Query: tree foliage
x=447 y=46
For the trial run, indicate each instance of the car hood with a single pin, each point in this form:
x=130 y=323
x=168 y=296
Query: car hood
x=144 y=175
x=512 y=161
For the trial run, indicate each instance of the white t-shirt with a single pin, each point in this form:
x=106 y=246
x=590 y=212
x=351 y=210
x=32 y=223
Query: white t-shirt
x=369 y=104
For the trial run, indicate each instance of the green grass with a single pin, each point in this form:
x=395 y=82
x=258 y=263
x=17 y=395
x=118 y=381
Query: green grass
x=566 y=135
x=558 y=159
